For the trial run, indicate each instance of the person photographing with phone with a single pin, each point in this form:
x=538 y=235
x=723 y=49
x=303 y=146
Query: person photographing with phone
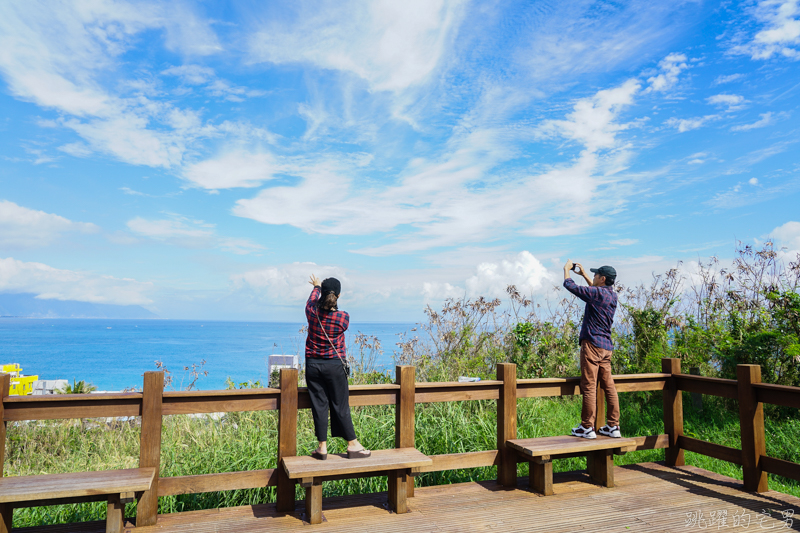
x=327 y=369
x=596 y=347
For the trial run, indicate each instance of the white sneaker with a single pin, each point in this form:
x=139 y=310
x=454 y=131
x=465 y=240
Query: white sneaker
x=610 y=431
x=586 y=433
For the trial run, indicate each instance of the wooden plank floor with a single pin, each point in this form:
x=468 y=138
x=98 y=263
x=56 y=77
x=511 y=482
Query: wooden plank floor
x=649 y=497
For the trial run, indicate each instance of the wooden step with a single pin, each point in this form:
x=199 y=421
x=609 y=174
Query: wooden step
x=397 y=464
x=338 y=464
x=567 y=444
x=75 y=485
x=599 y=457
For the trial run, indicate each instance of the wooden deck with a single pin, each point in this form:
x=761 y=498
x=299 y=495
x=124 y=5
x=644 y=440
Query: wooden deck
x=649 y=497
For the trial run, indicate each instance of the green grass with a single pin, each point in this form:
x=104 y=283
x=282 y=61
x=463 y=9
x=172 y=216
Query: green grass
x=248 y=441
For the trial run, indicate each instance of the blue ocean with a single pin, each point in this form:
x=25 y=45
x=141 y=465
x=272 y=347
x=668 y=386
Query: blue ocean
x=113 y=354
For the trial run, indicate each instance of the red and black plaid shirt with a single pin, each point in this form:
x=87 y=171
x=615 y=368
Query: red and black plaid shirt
x=335 y=324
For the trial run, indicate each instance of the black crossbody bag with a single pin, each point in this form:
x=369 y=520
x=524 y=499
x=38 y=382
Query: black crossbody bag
x=345 y=364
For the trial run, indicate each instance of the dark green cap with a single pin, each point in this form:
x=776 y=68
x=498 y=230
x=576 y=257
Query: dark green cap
x=607 y=271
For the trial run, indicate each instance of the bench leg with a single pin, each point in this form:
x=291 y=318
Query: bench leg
x=314 y=502
x=398 y=482
x=6 y=515
x=115 y=515
x=541 y=477
x=600 y=464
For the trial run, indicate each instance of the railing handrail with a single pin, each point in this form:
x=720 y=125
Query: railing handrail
x=19 y=408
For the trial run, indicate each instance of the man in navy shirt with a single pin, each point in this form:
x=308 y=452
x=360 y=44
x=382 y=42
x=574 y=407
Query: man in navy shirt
x=596 y=347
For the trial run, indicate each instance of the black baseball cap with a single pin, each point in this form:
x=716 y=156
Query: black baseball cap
x=607 y=271
x=331 y=285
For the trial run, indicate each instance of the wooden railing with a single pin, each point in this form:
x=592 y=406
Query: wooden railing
x=153 y=403
x=751 y=395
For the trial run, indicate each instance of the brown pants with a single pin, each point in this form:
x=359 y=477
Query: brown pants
x=596 y=366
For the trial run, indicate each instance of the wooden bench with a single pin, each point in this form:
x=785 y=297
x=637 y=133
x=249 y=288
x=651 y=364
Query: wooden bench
x=397 y=464
x=599 y=454
x=118 y=487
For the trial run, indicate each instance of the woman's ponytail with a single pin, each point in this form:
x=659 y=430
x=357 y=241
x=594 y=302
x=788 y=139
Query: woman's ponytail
x=327 y=302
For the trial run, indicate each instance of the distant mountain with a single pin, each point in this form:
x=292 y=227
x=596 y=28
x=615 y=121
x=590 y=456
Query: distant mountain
x=28 y=306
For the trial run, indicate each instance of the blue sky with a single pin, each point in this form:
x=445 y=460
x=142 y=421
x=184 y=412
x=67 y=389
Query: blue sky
x=203 y=158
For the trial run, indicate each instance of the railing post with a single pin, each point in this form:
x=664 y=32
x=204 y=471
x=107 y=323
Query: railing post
x=673 y=412
x=150 y=445
x=404 y=414
x=751 y=424
x=507 y=424
x=287 y=437
x=6 y=509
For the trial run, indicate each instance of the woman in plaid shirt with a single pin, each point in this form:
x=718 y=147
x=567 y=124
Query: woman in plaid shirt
x=326 y=375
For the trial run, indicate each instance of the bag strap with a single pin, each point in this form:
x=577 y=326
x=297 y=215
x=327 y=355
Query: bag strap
x=344 y=363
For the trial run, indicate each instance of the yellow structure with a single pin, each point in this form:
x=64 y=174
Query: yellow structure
x=20 y=385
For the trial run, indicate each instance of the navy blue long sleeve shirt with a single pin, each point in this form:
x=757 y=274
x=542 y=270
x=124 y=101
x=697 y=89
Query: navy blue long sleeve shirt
x=598 y=316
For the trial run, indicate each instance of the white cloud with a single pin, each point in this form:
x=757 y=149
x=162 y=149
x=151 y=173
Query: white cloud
x=592 y=122
x=188 y=233
x=780 y=34
x=78 y=149
x=753 y=181
x=766 y=119
x=289 y=283
x=239 y=246
x=66 y=58
x=623 y=242
x=564 y=41
x=170 y=229
x=688 y=124
x=21 y=227
x=191 y=74
x=390 y=45
x=738 y=196
x=524 y=270
x=671 y=67
x=731 y=101
x=788 y=235
x=458 y=197
x=233 y=169
x=720 y=80
x=54 y=284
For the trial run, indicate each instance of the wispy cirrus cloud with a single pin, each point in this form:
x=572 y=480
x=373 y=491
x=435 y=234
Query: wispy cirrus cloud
x=741 y=194
x=689 y=124
x=728 y=78
x=68 y=58
x=623 y=242
x=186 y=232
x=391 y=47
x=767 y=119
x=446 y=200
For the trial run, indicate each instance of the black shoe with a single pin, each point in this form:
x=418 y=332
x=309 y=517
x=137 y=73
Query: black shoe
x=358 y=454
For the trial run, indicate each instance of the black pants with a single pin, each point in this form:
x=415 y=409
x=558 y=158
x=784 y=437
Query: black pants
x=327 y=387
